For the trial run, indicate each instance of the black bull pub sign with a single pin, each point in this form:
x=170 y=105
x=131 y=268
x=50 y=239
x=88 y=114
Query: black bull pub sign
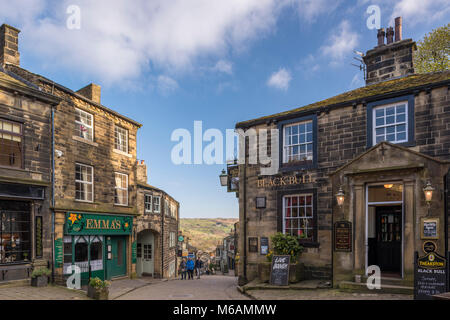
x=430 y=276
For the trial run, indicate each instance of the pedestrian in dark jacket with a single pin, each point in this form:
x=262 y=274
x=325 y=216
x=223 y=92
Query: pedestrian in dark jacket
x=183 y=269
x=198 y=266
x=190 y=268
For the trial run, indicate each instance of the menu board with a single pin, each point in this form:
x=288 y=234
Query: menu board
x=430 y=228
x=38 y=235
x=58 y=253
x=133 y=252
x=430 y=276
x=343 y=236
x=264 y=245
x=279 y=273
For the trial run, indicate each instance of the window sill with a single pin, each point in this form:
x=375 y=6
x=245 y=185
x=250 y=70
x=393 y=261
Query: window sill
x=122 y=153
x=310 y=244
x=122 y=205
x=84 y=201
x=80 y=139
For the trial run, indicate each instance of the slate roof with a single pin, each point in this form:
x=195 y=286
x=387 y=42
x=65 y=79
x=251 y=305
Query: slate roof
x=367 y=92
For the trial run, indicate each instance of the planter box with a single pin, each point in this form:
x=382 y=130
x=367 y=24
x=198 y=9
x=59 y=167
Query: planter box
x=296 y=272
x=98 y=294
x=41 y=281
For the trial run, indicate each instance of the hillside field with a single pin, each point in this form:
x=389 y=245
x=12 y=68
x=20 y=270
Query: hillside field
x=205 y=234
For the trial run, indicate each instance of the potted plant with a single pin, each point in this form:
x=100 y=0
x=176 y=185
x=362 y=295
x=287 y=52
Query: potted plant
x=39 y=277
x=98 y=289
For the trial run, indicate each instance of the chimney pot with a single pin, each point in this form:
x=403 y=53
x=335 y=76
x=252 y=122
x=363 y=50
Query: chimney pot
x=390 y=35
x=380 y=36
x=398 y=29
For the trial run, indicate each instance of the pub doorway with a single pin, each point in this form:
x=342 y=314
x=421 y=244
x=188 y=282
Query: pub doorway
x=385 y=228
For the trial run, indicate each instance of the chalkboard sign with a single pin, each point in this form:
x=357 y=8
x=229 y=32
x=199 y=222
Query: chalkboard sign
x=279 y=273
x=430 y=276
x=343 y=236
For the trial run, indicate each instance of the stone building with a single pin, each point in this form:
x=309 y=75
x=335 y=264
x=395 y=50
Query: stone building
x=25 y=170
x=376 y=149
x=157 y=229
x=95 y=206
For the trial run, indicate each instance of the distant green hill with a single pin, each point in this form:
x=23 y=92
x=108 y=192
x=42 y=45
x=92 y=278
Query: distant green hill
x=205 y=234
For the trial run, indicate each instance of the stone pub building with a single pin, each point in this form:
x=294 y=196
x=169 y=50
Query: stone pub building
x=376 y=149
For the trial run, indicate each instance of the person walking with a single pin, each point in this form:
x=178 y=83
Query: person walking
x=198 y=266
x=183 y=269
x=190 y=268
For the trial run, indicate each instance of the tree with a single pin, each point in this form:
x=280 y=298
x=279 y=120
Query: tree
x=433 y=51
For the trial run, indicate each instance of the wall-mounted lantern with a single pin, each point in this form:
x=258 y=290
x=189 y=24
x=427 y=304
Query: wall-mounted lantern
x=223 y=178
x=428 y=191
x=340 y=197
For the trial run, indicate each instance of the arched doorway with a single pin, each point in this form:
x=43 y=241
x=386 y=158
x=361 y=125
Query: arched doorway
x=145 y=262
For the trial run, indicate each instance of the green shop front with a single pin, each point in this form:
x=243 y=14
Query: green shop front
x=98 y=244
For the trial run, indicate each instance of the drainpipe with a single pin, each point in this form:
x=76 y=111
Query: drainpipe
x=245 y=221
x=162 y=235
x=53 y=191
x=447 y=208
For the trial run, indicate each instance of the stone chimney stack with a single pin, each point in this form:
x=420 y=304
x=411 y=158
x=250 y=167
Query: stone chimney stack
x=91 y=91
x=391 y=60
x=389 y=35
x=398 y=29
x=9 y=45
x=380 y=36
x=141 y=171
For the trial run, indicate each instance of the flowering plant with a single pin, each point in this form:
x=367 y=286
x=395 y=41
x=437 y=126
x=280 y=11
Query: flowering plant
x=99 y=283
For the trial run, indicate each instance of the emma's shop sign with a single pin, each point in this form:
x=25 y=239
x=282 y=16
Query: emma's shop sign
x=95 y=224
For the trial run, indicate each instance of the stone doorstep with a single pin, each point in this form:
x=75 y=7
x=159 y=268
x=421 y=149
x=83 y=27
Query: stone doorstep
x=302 y=285
x=385 y=288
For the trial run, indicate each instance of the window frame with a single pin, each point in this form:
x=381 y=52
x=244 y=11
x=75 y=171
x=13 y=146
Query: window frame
x=145 y=203
x=409 y=101
x=81 y=181
x=285 y=155
x=22 y=144
x=80 y=123
x=297 y=165
x=121 y=188
x=313 y=243
x=116 y=127
x=159 y=204
x=166 y=207
x=172 y=239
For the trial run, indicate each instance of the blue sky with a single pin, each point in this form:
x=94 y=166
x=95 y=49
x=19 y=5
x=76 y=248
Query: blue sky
x=169 y=63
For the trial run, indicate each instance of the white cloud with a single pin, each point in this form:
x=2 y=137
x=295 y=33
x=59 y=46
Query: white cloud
x=223 y=66
x=280 y=79
x=166 y=85
x=340 y=44
x=119 y=40
x=416 y=11
x=311 y=9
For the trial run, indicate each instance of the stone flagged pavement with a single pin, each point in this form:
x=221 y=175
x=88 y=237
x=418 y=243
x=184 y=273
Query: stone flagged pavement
x=50 y=292
x=311 y=290
x=321 y=294
x=121 y=287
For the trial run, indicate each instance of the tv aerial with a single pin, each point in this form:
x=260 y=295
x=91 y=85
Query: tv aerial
x=361 y=66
